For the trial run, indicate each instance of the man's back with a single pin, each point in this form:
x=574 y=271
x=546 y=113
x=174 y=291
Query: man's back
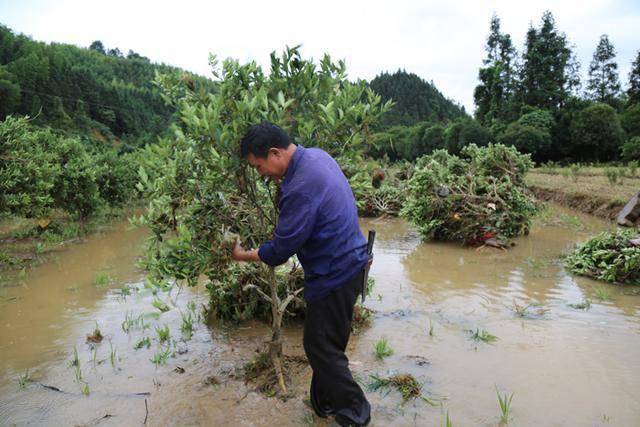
x=317 y=203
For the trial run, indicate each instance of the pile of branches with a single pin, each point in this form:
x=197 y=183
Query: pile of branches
x=610 y=256
x=478 y=198
x=379 y=191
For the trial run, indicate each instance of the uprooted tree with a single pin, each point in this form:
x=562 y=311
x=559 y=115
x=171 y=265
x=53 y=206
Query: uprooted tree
x=202 y=194
x=477 y=198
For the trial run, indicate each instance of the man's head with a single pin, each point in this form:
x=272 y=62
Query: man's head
x=267 y=148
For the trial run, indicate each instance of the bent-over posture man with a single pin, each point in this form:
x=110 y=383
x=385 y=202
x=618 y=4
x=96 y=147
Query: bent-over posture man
x=318 y=222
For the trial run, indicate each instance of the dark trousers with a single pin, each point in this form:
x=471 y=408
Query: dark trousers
x=327 y=327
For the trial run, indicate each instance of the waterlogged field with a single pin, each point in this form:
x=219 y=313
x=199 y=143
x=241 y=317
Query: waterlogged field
x=487 y=334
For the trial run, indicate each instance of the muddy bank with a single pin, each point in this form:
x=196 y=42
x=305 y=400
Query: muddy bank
x=591 y=204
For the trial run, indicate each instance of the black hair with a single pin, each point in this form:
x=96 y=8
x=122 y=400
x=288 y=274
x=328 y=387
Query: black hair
x=261 y=137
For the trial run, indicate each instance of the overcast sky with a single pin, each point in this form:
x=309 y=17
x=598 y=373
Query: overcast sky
x=441 y=41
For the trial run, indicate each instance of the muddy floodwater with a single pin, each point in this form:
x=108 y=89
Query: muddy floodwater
x=564 y=365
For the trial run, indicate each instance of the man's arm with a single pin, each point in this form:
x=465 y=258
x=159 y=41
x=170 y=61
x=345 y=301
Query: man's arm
x=295 y=223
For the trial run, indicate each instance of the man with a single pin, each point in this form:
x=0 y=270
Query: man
x=318 y=222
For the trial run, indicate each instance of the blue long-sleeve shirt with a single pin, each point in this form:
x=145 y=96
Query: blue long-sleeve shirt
x=318 y=222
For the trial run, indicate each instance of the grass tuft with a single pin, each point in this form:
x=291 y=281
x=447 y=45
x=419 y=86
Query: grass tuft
x=505 y=406
x=482 y=335
x=382 y=349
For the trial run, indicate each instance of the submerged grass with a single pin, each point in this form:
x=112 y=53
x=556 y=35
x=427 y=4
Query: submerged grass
x=160 y=305
x=601 y=293
x=143 y=342
x=482 y=335
x=130 y=322
x=532 y=309
x=382 y=349
x=112 y=355
x=24 y=379
x=163 y=333
x=187 y=325
x=505 y=406
x=161 y=357
x=584 y=305
x=102 y=280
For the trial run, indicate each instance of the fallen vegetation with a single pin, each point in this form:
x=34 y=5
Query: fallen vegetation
x=610 y=256
x=478 y=198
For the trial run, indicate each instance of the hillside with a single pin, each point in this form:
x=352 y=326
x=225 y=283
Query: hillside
x=88 y=91
x=416 y=100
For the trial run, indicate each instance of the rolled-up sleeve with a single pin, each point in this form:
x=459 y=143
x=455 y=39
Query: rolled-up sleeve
x=295 y=224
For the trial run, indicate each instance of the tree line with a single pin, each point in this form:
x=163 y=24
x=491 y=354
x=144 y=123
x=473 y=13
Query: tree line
x=535 y=101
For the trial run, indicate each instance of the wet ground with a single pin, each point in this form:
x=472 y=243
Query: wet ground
x=565 y=366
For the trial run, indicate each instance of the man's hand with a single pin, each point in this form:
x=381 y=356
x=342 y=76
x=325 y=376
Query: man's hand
x=370 y=261
x=240 y=254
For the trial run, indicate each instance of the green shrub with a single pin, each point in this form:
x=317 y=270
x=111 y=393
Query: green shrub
x=609 y=256
x=613 y=175
x=630 y=150
x=76 y=190
x=28 y=168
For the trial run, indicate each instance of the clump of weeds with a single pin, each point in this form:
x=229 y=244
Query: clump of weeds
x=532 y=309
x=96 y=336
x=161 y=357
x=160 y=305
x=130 y=321
x=24 y=379
x=601 y=293
x=143 y=342
x=362 y=317
x=187 y=326
x=102 y=280
x=482 y=335
x=584 y=305
x=163 y=333
x=505 y=406
x=405 y=384
x=383 y=349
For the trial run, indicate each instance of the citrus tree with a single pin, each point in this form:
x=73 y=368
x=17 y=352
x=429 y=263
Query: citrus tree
x=202 y=194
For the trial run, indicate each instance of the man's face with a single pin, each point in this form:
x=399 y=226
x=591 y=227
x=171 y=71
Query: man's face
x=271 y=166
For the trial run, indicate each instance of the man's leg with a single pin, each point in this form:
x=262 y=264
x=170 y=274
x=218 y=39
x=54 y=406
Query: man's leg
x=326 y=334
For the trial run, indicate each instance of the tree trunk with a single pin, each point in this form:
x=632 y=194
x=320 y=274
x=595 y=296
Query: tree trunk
x=275 y=346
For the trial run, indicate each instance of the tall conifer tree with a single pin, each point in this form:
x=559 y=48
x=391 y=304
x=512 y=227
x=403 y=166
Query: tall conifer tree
x=549 y=69
x=495 y=91
x=633 y=92
x=603 y=84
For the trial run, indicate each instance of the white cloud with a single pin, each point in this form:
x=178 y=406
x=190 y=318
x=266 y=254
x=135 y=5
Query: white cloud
x=439 y=41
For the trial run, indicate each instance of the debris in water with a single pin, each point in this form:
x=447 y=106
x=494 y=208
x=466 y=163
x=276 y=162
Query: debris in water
x=406 y=384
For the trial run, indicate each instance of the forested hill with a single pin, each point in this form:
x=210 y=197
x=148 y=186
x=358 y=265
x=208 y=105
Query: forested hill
x=416 y=100
x=90 y=91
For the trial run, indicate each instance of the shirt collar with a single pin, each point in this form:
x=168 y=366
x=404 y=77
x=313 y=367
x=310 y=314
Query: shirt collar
x=293 y=163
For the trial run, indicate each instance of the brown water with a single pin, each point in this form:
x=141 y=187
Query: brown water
x=567 y=367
